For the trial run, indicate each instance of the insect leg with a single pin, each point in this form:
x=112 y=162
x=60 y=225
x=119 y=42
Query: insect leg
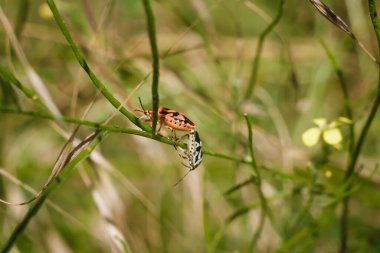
x=180 y=180
x=160 y=122
x=174 y=135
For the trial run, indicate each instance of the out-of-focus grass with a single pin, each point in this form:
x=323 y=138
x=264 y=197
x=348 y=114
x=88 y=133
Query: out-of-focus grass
x=205 y=75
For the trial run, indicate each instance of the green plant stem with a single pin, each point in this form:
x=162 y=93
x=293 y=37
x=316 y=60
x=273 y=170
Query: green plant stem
x=257 y=175
x=9 y=94
x=363 y=134
x=6 y=74
x=239 y=186
x=155 y=63
x=83 y=63
x=319 y=223
x=238 y=213
x=39 y=202
x=256 y=62
x=117 y=129
x=22 y=17
x=346 y=97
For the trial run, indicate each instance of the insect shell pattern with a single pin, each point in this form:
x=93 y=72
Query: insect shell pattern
x=195 y=154
x=178 y=121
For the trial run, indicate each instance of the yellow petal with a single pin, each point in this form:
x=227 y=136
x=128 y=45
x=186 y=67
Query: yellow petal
x=311 y=136
x=45 y=11
x=332 y=136
x=345 y=120
x=321 y=122
x=338 y=146
x=333 y=124
x=328 y=173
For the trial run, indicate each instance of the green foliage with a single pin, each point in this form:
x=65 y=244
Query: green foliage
x=252 y=76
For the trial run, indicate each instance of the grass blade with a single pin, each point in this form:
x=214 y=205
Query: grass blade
x=83 y=63
x=95 y=139
x=155 y=63
x=338 y=22
x=259 y=49
x=362 y=136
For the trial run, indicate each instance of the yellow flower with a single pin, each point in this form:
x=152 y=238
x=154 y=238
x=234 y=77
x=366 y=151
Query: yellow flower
x=45 y=11
x=330 y=132
x=311 y=136
x=328 y=173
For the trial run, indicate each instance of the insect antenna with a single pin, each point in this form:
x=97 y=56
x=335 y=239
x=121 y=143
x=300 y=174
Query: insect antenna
x=142 y=106
x=183 y=177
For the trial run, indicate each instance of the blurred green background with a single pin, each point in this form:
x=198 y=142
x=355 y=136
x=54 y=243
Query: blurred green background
x=125 y=196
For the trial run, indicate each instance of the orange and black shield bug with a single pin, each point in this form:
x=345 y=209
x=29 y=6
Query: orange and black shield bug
x=175 y=120
x=169 y=118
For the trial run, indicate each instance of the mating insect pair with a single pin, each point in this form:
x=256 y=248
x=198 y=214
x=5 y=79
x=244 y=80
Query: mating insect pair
x=174 y=120
x=193 y=154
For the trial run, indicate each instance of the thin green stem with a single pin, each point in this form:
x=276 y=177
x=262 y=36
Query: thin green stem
x=22 y=17
x=155 y=63
x=256 y=62
x=9 y=94
x=83 y=63
x=263 y=201
x=39 y=202
x=255 y=170
x=6 y=74
x=346 y=97
x=311 y=230
x=238 y=213
x=363 y=134
x=117 y=129
x=239 y=186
